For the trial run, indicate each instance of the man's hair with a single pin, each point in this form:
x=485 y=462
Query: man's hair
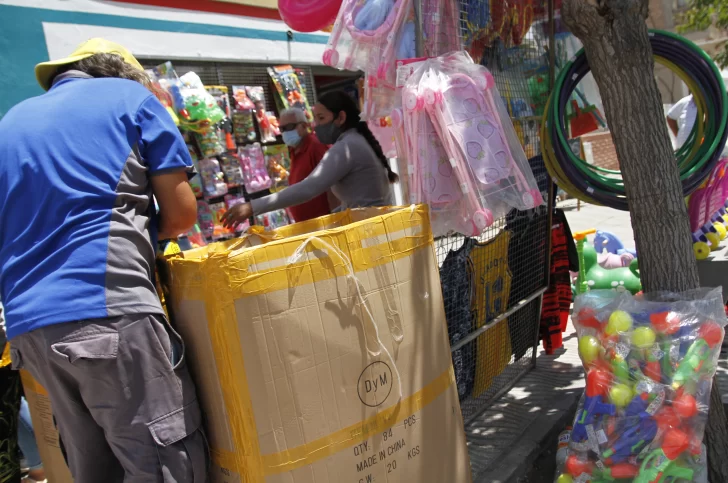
x=297 y=113
x=107 y=65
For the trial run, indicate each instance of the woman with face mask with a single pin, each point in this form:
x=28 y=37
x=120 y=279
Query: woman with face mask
x=355 y=168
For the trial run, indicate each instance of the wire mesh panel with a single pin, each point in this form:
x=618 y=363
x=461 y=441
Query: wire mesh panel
x=492 y=285
x=239 y=74
x=488 y=284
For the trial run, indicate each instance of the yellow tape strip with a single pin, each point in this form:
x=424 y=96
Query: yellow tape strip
x=222 y=321
x=319 y=449
x=348 y=437
x=5 y=359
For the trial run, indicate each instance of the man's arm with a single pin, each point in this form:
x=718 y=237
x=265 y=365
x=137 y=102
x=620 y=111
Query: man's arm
x=163 y=149
x=177 y=204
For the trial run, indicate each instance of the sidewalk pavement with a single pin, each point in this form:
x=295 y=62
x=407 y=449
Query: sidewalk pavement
x=514 y=440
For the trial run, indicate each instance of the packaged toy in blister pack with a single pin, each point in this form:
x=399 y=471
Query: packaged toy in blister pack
x=255 y=174
x=257 y=96
x=242 y=101
x=210 y=142
x=205 y=218
x=279 y=165
x=233 y=171
x=222 y=97
x=244 y=127
x=213 y=180
x=196 y=237
x=288 y=87
x=219 y=231
x=273 y=220
x=649 y=362
x=162 y=94
x=196 y=180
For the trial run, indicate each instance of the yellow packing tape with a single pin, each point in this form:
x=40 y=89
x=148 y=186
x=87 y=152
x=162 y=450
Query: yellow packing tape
x=319 y=449
x=5 y=359
x=348 y=437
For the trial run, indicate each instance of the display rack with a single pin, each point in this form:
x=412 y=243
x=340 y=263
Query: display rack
x=502 y=343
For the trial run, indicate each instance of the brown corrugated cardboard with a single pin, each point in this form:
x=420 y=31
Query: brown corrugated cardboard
x=299 y=347
x=46 y=434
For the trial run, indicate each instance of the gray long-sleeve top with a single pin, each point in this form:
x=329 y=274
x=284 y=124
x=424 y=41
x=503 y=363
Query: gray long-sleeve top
x=350 y=169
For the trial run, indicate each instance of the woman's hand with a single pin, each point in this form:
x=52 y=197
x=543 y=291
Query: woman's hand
x=236 y=215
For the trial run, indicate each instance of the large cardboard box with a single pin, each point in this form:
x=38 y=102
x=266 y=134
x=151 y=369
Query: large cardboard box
x=323 y=356
x=46 y=434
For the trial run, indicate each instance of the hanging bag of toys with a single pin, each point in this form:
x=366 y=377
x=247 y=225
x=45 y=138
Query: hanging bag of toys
x=649 y=362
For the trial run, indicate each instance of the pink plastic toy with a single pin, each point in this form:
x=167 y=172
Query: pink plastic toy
x=255 y=174
x=308 y=15
x=462 y=154
x=372 y=51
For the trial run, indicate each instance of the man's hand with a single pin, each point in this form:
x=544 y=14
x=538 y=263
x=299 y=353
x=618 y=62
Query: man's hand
x=236 y=215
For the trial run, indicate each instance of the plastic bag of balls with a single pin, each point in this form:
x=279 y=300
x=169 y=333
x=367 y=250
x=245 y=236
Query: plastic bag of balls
x=649 y=363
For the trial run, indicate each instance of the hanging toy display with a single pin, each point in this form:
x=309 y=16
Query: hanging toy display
x=463 y=156
x=649 y=363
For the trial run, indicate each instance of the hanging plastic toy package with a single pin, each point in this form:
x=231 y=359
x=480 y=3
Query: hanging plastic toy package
x=649 y=363
x=213 y=180
x=466 y=104
x=198 y=110
x=363 y=32
x=431 y=179
x=463 y=155
x=255 y=173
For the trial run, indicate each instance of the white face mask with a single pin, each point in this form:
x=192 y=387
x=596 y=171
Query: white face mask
x=291 y=138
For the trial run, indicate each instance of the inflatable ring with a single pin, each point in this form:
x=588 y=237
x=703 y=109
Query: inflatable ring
x=309 y=15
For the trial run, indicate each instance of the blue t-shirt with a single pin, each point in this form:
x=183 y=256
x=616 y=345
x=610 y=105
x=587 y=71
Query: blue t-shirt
x=76 y=224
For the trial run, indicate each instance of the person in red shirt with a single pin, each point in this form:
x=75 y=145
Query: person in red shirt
x=306 y=153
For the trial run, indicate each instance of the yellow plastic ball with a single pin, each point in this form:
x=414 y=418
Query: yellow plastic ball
x=720 y=228
x=713 y=239
x=589 y=349
x=620 y=395
x=619 y=321
x=701 y=250
x=565 y=478
x=643 y=337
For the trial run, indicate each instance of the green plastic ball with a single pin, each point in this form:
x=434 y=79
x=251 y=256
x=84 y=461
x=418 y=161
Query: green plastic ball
x=565 y=478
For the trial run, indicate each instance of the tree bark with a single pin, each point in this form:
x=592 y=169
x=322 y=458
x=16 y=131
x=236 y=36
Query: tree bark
x=615 y=38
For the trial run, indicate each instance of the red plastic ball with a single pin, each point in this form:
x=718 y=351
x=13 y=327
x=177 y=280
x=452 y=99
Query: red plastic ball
x=685 y=406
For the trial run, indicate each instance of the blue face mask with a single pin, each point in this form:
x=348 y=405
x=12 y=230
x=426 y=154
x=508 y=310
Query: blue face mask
x=291 y=138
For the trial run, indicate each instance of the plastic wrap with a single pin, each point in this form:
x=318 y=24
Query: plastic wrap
x=462 y=154
x=649 y=362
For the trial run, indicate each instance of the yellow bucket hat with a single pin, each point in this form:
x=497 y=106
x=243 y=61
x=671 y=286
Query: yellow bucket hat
x=45 y=71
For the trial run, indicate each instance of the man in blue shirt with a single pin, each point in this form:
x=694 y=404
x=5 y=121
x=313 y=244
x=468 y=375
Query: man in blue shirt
x=78 y=168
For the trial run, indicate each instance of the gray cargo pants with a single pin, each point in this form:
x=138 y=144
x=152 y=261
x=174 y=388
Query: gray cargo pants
x=122 y=397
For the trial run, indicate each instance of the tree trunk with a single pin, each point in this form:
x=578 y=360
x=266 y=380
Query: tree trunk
x=616 y=42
